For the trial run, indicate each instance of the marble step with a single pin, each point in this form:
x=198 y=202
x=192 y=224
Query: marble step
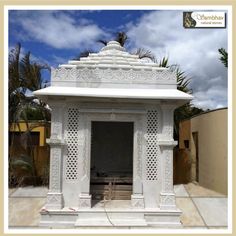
x=110 y=222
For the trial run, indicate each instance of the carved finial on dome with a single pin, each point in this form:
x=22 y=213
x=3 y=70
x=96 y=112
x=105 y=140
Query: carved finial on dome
x=113 y=45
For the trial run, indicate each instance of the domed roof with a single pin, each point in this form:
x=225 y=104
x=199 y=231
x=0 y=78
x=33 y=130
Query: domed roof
x=113 y=55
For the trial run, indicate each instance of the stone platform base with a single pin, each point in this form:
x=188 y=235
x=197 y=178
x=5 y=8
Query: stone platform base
x=114 y=214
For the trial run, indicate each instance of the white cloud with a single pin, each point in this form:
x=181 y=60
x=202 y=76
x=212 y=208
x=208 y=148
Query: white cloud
x=57 y=29
x=195 y=50
x=59 y=60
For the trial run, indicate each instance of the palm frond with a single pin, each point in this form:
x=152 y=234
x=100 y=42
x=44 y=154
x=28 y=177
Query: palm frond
x=84 y=53
x=144 y=53
x=224 y=56
x=183 y=81
x=164 y=62
x=104 y=42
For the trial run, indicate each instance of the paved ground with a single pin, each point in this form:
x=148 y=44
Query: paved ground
x=202 y=208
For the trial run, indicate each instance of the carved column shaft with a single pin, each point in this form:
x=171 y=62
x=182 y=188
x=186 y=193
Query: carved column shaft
x=85 y=196
x=56 y=142
x=137 y=198
x=167 y=196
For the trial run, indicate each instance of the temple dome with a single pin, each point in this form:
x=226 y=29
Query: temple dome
x=113 y=45
x=113 y=55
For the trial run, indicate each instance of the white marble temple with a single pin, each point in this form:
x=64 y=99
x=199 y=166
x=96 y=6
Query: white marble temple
x=112 y=86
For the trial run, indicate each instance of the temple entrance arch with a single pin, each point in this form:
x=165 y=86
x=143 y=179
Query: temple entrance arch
x=115 y=119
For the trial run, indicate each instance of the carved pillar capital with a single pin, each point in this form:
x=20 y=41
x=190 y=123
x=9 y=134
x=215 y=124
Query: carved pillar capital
x=57 y=120
x=167 y=120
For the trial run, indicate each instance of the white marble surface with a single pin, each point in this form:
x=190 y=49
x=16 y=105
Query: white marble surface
x=206 y=212
x=30 y=191
x=180 y=191
x=213 y=210
x=190 y=215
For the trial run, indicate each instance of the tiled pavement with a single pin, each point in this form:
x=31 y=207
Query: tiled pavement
x=201 y=208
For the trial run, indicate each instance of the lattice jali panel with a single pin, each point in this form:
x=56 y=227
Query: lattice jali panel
x=71 y=171
x=152 y=149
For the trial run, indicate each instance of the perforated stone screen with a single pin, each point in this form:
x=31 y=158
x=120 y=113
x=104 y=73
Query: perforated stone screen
x=152 y=147
x=72 y=144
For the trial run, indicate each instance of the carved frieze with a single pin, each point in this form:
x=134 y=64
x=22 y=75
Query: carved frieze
x=114 y=75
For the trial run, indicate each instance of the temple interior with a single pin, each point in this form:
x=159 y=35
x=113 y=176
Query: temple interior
x=111 y=160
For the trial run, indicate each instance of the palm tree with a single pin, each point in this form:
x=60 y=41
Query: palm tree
x=187 y=110
x=24 y=75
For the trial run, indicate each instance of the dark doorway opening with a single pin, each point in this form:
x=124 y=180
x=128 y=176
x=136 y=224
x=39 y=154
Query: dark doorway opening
x=195 y=140
x=111 y=160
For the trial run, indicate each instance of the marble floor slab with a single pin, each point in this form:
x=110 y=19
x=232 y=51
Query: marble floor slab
x=180 y=191
x=201 y=208
x=196 y=190
x=25 y=211
x=190 y=215
x=11 y=191
x=213 y=210
x=30 y=191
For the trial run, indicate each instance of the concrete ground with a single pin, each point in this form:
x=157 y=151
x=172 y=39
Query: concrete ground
x=201 y=208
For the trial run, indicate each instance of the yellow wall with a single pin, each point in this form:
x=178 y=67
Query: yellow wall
x=41 y=127
x=212 y=149
x=41 y=152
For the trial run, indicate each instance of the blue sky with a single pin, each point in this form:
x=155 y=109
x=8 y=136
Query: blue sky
x=54 y=37
x=104 y=24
